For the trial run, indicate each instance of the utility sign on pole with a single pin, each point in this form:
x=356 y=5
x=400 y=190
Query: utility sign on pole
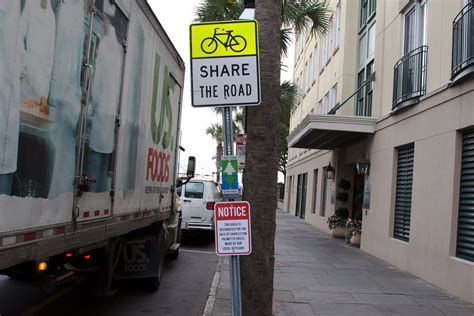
x=225 y=69
x=230 y=181
x=232 y=220
x=240 y=144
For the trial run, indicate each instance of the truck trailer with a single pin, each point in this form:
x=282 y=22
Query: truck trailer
x=90 y=106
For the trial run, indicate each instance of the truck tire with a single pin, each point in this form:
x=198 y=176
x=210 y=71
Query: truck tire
x=174 y=255
x=153 y=283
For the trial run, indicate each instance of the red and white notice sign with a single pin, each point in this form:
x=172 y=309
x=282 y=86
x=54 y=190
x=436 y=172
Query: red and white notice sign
x=232 y=221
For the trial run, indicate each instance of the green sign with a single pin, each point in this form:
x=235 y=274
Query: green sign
x=230 y=181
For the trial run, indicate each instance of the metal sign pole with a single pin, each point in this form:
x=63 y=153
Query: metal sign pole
x=234 y=264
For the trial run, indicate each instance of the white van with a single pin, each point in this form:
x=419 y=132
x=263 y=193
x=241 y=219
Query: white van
x=199 y=197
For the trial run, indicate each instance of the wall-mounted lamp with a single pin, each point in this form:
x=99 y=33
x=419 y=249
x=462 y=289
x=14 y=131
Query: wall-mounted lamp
x=330 y=171
x=363 y=166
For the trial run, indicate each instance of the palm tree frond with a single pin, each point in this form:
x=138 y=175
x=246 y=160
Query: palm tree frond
x=312 y=15
x=285 y=39
x=290 y=95
x=218 y=10
x=216 y=132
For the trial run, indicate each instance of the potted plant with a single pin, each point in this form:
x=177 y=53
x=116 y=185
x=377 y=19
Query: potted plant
x=337 y=225
x=353 y=231
x=337 y=222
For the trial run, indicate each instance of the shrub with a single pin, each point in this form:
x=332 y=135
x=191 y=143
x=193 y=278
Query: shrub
x=342 y=197
x=344 y=184
x=353 y=226
x=335 y=221
x=342 y=212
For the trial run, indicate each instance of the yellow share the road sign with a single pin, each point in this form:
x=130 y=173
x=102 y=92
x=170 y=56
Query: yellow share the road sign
x=225 y=69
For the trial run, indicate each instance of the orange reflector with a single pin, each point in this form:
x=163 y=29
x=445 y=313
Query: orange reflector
x=42 y=266
x=68 y=254
x=87 y=257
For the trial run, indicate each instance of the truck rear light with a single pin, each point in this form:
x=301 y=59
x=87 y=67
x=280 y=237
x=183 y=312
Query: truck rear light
x=68 y=254
x=87 y=257
x=210 y=205
x=42 y=266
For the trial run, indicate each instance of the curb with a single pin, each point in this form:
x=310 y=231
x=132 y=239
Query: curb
x=211 y=298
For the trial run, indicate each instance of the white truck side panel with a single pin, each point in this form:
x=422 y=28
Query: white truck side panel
x=40 y=191
x=153 y=156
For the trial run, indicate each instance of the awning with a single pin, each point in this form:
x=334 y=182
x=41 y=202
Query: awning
x=330 y=131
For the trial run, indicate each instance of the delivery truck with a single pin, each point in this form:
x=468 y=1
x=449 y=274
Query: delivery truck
x=90 y=106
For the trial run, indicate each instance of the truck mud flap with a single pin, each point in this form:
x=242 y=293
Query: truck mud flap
x=139 y=258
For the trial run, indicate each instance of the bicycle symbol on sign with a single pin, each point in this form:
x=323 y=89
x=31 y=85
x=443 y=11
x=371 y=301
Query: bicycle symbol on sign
x=236 y=43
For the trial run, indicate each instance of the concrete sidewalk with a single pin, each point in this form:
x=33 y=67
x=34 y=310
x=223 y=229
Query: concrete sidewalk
x=316 y=274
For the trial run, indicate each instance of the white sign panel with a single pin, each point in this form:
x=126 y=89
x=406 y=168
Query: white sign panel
x=225 y=81
x=225 y=67
x=232 y=228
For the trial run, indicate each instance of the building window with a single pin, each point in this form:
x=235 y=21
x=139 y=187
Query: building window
x=334 y=96
x=465 y=233
x=320 y=107
x=329 y=39
x=310 y=71
x=414 y=33
x=365 y=60
x=363 y=13
x=323 y=52
x=367 y=11
x=324 y=193
x=403 y=193
x=301 y=42
x=315 y=190
x=364 y=95
x=338 y=25
x=301 y=195
x=326 y=103
x=300 y=82
x=305 y=78
x=371 y=42
x=314 y=64
x=410 y=71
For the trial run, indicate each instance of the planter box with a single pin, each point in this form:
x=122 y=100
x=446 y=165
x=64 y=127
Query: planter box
x=355 y=240
x=339 y=232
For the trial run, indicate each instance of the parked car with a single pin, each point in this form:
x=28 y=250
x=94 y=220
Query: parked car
x=199 y=197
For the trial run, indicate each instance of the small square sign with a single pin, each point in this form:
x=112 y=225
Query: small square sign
x=230 y=181
x=232 y=228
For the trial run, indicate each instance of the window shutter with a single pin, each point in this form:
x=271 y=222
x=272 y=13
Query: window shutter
x=465 y=235
x=322 y=211
x=403 y=193
x=315 y=190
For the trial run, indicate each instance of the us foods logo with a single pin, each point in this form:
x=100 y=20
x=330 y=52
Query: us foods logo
x=162 y=129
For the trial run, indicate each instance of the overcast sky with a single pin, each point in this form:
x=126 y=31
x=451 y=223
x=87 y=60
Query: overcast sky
x=175 y=17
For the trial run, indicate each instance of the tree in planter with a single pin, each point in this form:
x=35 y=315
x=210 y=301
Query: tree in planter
x=339 y=219
x=354 y=226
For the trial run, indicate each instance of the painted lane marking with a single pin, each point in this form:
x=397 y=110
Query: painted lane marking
x=48 y=301
x=198 y=251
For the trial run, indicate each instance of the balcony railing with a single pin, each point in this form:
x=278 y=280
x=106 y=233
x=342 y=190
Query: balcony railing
x=409 y=78
x=367 y=108
x=463 y=43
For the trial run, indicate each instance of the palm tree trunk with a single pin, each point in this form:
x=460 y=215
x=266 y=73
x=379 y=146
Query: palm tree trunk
x=262 y=154
x=219 y=153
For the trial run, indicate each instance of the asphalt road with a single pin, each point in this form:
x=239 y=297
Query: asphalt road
x=183 y=291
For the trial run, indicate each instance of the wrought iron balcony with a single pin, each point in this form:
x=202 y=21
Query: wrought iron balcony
x=409 y=78
x=463 y=44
